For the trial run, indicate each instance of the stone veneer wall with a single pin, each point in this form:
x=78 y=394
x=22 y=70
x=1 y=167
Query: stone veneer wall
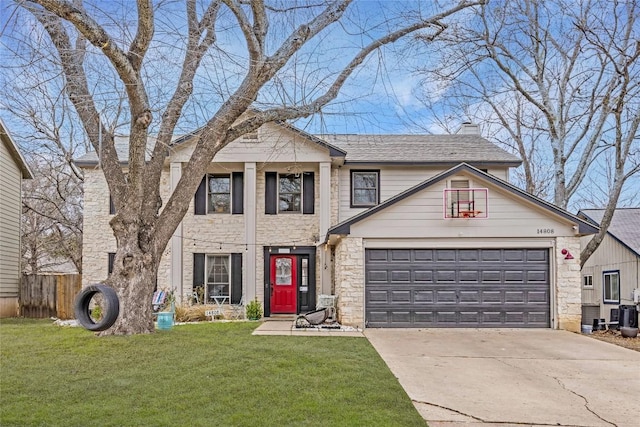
x=568 y=285
x=349 y=281
x=287 y=229
x=97 y=236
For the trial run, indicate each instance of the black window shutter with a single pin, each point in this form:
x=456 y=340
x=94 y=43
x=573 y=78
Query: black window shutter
x=200 y=202
x=271 y=193
x=237 y=204
x=112 y=206
x=112 y=257
x=198 y=270
x=236 y=278
x=308 y=195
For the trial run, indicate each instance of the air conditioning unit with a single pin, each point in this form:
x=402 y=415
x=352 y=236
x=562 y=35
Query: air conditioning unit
x=636 y=296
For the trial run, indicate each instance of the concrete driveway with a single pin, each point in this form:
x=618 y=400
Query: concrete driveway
x=473 y=377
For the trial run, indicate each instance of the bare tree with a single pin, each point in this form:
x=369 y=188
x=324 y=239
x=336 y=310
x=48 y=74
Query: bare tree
x=235 y=42
x=559 y=83
x=46 y=127
x=51 y=217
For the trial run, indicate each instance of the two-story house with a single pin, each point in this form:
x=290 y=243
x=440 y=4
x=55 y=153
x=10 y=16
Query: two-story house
x=406 y=231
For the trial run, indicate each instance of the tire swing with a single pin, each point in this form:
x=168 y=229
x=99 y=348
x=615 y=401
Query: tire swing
x=111 y=307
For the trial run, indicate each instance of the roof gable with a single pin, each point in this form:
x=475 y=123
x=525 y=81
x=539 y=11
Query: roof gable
x=584 y=227
x=13 y=149
x=181 y=143
x=624 y=227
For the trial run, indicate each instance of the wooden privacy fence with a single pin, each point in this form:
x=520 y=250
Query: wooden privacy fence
x=49 y=296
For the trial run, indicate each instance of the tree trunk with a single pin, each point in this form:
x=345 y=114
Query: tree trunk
x=134 y=280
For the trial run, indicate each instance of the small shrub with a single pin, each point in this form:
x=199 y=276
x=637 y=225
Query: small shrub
x=254 y=310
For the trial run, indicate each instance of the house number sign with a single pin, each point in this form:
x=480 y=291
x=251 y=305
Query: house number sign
x=546 y=231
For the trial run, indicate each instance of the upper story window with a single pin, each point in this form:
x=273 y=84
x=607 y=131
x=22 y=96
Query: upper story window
x=611 y=287
x=587 y=281
x=290 y=193
x=219 y=194
x=365 y=188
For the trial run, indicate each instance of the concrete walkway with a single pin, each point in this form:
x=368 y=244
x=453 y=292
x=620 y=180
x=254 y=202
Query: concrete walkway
x=287 y=327
x=479 y=377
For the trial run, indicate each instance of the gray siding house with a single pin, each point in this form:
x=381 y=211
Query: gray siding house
x=404 y=230
x=612 y=273
x=13 y=169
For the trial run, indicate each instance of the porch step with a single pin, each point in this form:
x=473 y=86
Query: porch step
x=283 y=317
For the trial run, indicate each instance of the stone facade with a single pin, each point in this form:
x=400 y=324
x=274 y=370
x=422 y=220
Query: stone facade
x=97 y=236
x=568 y=288
x=349 y=281
x=226 y=233
x=286 y=229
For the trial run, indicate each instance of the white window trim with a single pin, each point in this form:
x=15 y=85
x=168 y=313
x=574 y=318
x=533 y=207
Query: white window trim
x=300 y=177
x=590 y=285
x=611 y=273
x=206 y=277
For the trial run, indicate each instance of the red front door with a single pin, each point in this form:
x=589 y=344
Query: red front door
x=283 y=284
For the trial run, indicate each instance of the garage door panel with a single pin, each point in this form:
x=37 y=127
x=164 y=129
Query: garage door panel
x=377 y=276
x=540 y=255
x=537 y=297
x=377 y=255
x=537 y=276
x=445 y=276
x=376 y=297
x=514 y=276
x=423 y=276
x=400 y=296
x=491 y=255
x=444 y=255
x=514 y=255
x=457 y=288
x=423 y=296
x=514 y=297
x=492 y=276
x=401 y=276
x=446 y=297
x=469 y=297
x=469 y=276
x=400 y=255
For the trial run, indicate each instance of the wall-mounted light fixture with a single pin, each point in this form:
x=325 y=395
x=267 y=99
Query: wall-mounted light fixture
x=567 y=254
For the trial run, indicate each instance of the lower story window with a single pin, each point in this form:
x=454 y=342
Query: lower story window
x=611 y=287
x=218 y=279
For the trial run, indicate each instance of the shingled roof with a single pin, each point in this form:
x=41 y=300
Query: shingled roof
x=421 y=149
x=443 y=150
x=624 y=227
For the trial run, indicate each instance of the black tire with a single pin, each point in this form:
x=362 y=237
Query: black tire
x=111 y=307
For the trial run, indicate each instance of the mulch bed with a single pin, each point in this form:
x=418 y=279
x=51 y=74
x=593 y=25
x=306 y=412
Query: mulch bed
x=614 y=337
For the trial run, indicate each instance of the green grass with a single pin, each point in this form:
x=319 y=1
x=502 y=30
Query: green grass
x=210 y=374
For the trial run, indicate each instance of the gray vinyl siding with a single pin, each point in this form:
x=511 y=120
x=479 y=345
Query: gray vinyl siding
x=611 y=255
x=10 y=180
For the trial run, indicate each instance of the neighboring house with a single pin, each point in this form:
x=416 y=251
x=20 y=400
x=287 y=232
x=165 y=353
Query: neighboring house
x=406 y=230
x=612 y=272
x=13 y=169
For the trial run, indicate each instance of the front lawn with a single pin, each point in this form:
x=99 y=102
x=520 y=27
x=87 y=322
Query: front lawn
x=209 y=374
